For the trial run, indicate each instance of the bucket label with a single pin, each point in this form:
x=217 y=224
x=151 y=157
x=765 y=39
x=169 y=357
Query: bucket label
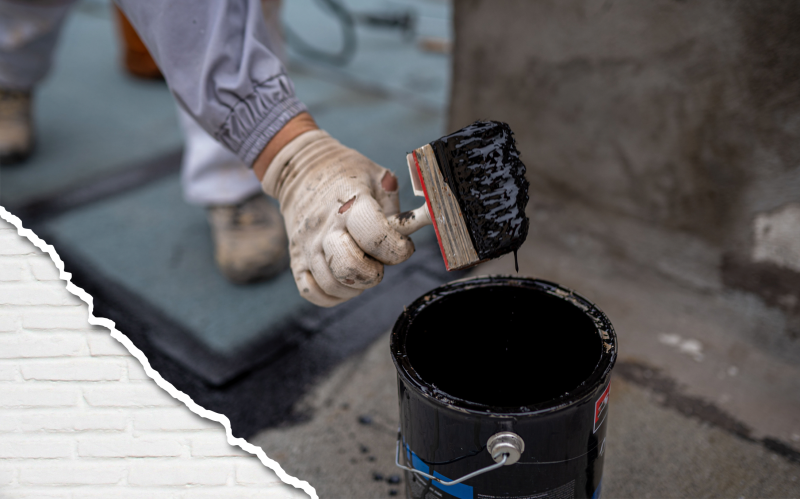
x=601 y=409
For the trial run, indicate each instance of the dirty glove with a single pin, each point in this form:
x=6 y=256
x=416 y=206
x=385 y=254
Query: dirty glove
x=335 y=202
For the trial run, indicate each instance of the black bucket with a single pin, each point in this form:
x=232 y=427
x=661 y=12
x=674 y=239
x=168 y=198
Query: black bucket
x=504 y=381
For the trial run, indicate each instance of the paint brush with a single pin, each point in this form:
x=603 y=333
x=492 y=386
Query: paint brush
x=475 y=194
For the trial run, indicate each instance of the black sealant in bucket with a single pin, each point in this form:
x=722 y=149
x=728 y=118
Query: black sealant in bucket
x=505 y=380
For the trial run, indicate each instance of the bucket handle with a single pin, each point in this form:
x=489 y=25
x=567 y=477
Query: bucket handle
x=505 y=448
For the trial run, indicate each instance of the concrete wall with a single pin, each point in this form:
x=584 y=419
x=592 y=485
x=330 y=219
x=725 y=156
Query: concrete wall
x=683 y=115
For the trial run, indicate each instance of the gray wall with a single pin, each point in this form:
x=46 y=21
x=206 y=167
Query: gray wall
x=681 y=114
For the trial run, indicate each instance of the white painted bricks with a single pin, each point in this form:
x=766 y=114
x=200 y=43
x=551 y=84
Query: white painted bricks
x=79 y=418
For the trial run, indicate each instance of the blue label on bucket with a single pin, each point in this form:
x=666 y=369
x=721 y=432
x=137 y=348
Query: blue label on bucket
x=418 y=464
x=459 y=490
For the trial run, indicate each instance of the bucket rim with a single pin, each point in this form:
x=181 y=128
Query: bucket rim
x=587 y=389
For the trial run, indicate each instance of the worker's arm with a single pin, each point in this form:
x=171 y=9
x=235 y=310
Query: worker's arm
x=215 y=59
x=335 y=201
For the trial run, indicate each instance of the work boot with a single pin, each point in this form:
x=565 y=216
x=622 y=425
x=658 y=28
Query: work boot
x=16 y=127
x=250 y=241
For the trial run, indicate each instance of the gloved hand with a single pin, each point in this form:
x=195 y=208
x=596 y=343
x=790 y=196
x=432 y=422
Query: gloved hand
x=335 y=202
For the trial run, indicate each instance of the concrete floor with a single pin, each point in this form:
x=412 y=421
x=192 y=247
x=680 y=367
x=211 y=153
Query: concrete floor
x=652 y=450
x=699 y=406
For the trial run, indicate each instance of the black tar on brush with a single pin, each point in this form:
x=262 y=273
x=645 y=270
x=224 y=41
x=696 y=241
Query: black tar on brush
x=475 y=190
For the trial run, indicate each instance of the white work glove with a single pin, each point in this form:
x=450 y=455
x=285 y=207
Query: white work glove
x=335 y=205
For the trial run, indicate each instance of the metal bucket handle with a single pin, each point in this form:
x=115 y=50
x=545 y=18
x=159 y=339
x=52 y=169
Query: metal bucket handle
x=505 y=447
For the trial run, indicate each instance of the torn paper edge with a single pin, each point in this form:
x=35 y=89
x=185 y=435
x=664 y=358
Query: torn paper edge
x=152 y=373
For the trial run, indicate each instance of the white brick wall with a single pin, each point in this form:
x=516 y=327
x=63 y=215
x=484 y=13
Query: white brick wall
x=80 y=418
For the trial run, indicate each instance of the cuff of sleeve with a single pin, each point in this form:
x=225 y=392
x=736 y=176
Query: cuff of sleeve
x=258 y=117
x=272 y=123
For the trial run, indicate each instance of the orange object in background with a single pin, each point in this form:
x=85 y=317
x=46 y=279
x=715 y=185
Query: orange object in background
x=138 y=60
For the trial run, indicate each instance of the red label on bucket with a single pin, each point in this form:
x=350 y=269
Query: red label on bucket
x=601 y=409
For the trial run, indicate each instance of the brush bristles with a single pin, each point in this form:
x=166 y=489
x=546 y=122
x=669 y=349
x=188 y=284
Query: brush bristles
x=448 y=220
